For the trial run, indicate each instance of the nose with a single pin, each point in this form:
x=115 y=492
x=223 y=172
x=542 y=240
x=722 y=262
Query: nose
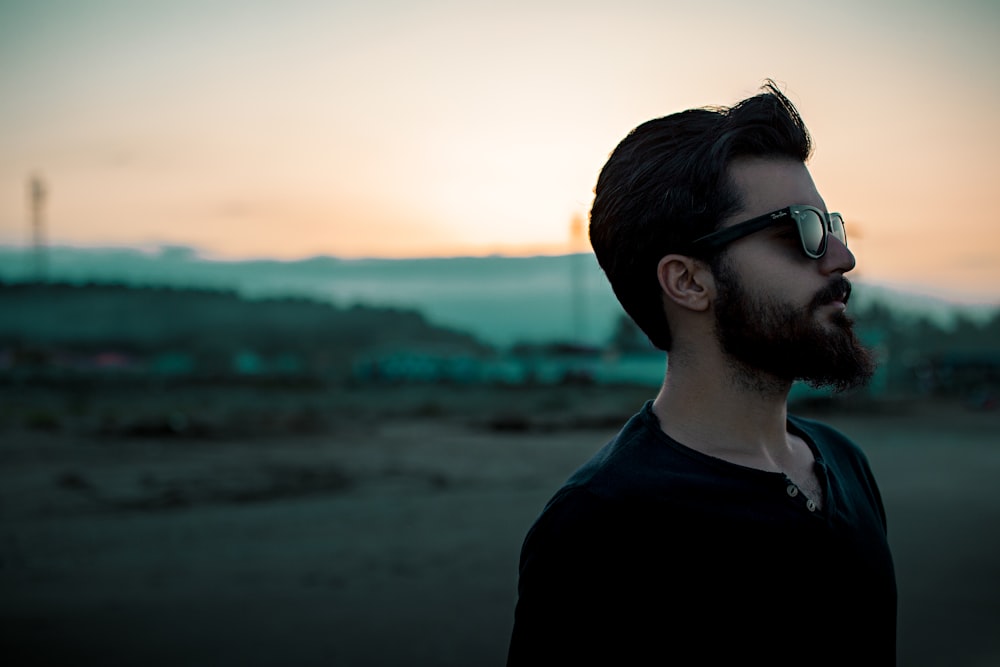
x=838 y=258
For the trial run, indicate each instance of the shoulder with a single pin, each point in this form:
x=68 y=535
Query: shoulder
x=604 y=486
x=639 y=474
x=831 y=442
x=638 y=464
x=819 y=429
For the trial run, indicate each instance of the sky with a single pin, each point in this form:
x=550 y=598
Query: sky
x=391 y=128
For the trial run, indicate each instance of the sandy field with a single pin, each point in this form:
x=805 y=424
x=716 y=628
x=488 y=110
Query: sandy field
x=382 y=527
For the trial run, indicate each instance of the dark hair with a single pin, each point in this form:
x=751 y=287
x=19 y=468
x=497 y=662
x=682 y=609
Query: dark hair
x=667 y=183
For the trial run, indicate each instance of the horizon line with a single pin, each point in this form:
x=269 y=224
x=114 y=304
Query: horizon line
x=202 y=254
x=196 y=253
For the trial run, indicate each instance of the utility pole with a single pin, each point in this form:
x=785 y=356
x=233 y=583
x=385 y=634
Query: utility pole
x=577 y=235
x=36 y=197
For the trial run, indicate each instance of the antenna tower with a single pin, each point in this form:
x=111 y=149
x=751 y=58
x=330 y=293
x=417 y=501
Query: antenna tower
x=36 y=197
x=577 y=241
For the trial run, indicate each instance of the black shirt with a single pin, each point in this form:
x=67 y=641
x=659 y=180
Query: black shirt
x=654 y=553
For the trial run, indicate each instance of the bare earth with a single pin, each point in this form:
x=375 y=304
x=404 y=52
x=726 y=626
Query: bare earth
x=388 y=532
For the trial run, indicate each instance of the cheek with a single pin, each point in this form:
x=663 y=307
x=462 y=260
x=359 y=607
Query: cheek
x=758 y=273
x=783 y=276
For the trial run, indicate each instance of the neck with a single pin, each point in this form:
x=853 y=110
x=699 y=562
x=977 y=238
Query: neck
x=722 y=409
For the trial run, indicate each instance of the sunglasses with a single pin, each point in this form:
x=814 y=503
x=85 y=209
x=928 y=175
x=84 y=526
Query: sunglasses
x=814 y=228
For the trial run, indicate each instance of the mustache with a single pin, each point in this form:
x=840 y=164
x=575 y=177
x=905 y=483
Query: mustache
x=839 y=289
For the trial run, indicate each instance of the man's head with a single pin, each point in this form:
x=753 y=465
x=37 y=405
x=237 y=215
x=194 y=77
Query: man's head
x=722 y=199
x=667 y=183
x=779 y=303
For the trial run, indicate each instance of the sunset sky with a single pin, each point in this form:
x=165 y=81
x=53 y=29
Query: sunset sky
x=393 y=128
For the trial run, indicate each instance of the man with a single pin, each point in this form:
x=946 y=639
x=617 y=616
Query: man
x=715 y=528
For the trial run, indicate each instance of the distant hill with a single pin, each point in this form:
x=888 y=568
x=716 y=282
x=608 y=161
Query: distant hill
x=209 y=326
x=500 y=300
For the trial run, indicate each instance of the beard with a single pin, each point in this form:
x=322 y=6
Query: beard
x=767 y=338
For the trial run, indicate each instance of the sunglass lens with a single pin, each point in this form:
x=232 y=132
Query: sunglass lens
x=837 y=228
x=811 y=230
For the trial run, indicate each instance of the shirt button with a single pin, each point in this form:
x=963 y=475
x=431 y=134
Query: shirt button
x=811 y=506
x=792 y=490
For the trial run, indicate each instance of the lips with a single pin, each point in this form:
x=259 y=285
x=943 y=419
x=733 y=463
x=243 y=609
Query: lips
x=845 y=294
x=837 y=292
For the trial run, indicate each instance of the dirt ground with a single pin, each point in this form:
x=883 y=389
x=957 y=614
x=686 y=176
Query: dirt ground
x=380 y=527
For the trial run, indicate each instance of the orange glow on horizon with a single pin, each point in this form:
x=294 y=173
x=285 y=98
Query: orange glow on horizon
x=373 y=130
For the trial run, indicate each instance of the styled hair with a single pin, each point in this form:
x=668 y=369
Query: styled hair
x=667 y=183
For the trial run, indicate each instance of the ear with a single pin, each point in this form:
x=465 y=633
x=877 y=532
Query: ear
x=686 y=281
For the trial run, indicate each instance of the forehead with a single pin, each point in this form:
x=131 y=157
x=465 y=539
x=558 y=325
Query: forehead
x=767 y=184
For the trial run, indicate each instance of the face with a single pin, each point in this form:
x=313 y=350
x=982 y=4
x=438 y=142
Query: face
x=777 y=311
